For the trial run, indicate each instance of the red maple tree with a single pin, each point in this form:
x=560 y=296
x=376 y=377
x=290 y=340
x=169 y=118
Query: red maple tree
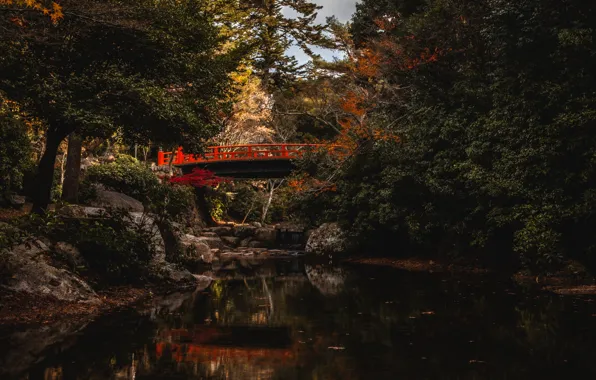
x=199 y=178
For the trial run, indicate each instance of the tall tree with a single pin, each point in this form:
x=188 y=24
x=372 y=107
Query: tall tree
x=105 y=68
x=271 y=27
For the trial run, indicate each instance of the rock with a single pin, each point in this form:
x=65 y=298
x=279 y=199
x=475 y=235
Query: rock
x=164 y=271
x=256 y=224
x=27 y=269
x=256 y=244
x=212 y=242
x=70 y=253
x=147 y=223
x=329 y=281
x=80 y=212
x=231 y=240
x=203 y=282
x=112 y=199
x=209 y=234
x=244 y=231
x=72 y=211
x=196 y=250
x=245 y=242
x=16 y=200
x=222 y=231
x=266 y=235
x=327 y=239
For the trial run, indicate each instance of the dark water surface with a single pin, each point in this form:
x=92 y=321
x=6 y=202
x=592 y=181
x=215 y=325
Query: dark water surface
x=292 y=320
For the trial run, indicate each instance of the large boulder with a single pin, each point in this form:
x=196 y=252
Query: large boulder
x=26 y=268
x=196 y=250
x=112 y=199
x=327 y=239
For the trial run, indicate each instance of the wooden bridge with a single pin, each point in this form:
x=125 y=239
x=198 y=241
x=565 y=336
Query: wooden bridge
x=241 y=161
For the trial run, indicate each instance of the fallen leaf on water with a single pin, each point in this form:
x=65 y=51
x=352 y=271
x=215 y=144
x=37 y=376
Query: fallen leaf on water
x=336 y=348
x=428 y=313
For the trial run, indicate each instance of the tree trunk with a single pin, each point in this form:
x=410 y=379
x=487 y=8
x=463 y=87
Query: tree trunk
x=272 y=189
x=70 y=187
x=203 y=206
x=42 y=194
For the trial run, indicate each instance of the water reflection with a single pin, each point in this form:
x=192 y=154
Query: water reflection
x=296 y=320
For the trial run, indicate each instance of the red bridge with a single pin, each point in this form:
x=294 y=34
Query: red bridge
x=241 y=161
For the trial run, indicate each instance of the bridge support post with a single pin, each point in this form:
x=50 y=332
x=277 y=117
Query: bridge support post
x=179 y=157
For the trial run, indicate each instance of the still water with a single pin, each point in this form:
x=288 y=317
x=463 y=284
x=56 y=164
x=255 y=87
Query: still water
x=290 y=319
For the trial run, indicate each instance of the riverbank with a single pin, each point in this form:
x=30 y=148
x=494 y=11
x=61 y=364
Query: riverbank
x=19 y=308
x=418 y=265
x=573 y=280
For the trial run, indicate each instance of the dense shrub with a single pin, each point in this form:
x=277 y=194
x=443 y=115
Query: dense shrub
x=115 y=246
x=173 y=202
x=129 y=176
x=125 y=175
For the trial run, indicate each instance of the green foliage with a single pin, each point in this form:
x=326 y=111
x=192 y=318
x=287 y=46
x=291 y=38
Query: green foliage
x=15 y=150
x=129 y=176
x=173 y=202
x=117 y=248
x=125 y=175
x=115 y=245
x=496 y=158
x=10 y=236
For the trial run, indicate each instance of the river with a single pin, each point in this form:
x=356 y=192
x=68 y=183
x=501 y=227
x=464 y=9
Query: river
x=297 y=319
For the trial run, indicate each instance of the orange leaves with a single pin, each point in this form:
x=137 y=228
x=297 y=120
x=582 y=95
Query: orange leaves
x=309 y=184
x=18 y=21
x=426 y=56
x=51 y=9
x=368 y=64
x=352 y=104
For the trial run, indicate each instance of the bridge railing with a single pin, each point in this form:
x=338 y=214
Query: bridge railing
x=238 y=153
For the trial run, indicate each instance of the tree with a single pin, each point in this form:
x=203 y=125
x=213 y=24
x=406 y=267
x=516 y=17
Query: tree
x=103 y=68
x=264 y=26
x=487 y=138
x=249 y=121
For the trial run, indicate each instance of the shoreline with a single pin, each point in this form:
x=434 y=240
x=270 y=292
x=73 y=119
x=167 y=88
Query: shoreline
x=562 y=283
x=23 y=309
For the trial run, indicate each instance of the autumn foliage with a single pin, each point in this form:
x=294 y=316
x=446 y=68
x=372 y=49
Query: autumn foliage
x=199 y=178
x=48 y=8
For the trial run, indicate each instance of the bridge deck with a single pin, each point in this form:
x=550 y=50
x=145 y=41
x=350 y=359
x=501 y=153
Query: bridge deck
x=234 y=153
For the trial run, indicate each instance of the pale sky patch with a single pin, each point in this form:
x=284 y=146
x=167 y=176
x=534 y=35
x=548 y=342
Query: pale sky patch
x=341 y=9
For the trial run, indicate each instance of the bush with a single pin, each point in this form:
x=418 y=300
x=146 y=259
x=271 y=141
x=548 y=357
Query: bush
x=125 y=175
x=117 y=248
x=114 y=245
x=174 y=202
x=15 y=151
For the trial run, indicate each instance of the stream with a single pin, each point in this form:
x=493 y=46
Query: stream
x=301 y=319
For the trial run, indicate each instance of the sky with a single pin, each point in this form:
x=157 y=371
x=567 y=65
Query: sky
x=341 y=9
